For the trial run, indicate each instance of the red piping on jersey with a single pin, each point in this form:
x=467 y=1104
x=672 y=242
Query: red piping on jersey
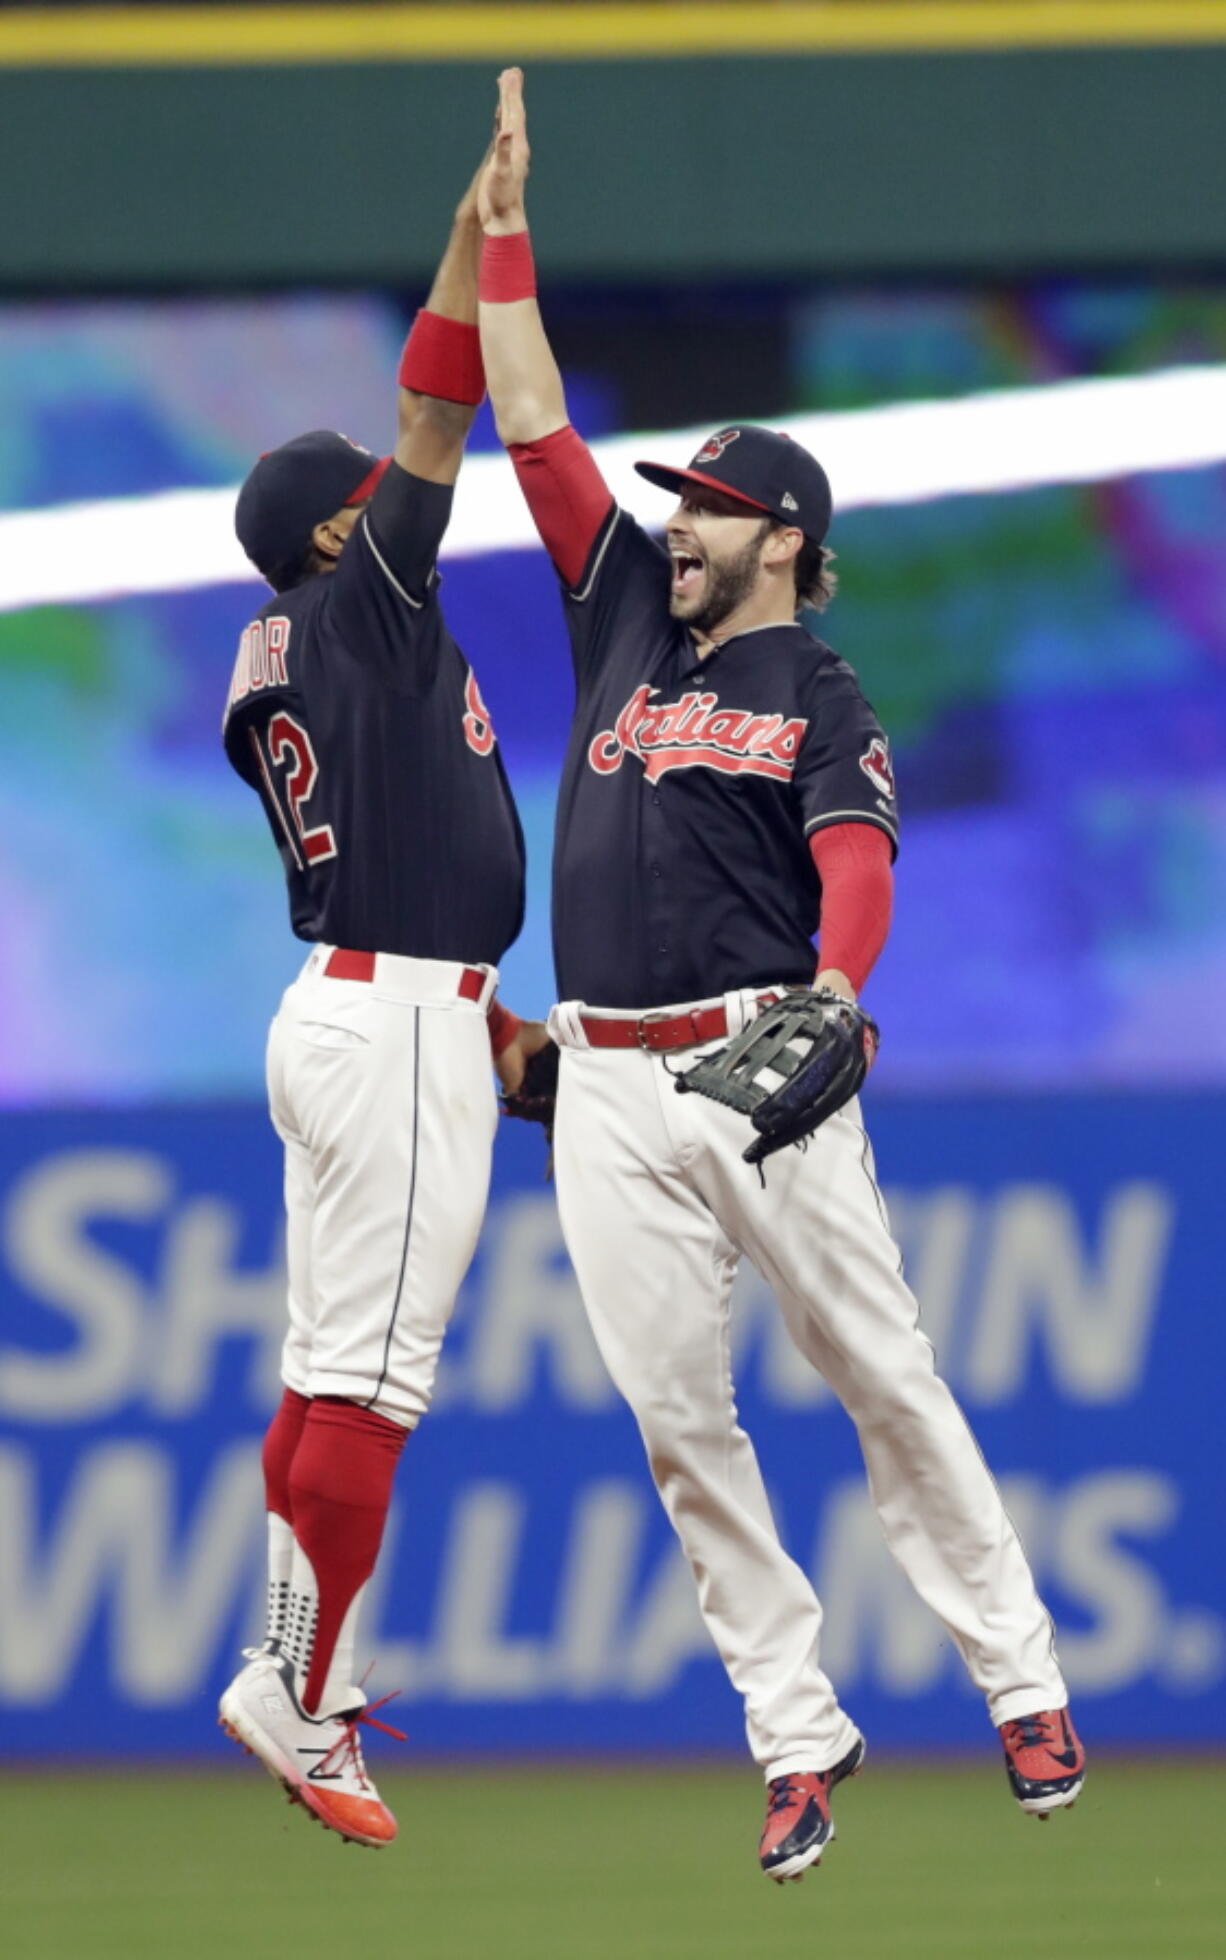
x=853 y=863
x=568 y=497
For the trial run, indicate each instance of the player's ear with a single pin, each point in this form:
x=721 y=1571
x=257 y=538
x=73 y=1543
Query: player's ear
x=782 y=544
x=328 y=539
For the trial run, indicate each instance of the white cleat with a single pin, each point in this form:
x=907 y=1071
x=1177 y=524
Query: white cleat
x=317 y=1758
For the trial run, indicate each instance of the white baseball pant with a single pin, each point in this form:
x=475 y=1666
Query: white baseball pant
x=382 y=1093
x=657 y=1207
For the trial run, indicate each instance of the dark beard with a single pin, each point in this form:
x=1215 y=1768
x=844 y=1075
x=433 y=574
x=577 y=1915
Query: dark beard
x=728 y=586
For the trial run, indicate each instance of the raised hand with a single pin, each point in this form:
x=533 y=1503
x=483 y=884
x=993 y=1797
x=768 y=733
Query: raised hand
x=466 y=210
x=500 y=197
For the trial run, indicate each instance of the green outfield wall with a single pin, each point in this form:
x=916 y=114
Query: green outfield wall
x=243 y=146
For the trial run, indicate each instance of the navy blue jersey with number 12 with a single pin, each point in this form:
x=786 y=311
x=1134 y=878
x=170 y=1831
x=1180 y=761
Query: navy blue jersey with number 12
x=354 y=715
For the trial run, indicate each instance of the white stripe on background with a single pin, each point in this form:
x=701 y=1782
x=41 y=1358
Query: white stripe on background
x=1020 y=439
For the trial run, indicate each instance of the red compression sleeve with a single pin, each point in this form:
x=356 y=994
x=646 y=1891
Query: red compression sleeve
x=568 y=497
x=281 y=1439
x=503 y=1027
x=341 y=1488
x=443 y=357
x=507 y=270
x=853 y=863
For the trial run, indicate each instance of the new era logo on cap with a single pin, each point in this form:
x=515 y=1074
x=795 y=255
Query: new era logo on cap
x=763 y=469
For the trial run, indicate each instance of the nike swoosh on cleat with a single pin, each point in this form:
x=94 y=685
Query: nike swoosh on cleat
x=1068 y=1755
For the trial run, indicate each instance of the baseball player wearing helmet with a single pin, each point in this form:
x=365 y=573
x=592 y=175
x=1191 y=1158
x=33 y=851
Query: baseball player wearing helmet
x=357 y=720
x=726 y=786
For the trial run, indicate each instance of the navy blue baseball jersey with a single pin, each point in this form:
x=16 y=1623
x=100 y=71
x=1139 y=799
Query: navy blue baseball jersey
x=682 y=867
x=357 y=719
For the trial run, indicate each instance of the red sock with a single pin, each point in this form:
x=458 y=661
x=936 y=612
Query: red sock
x=340 y=1488
x=281 y=1439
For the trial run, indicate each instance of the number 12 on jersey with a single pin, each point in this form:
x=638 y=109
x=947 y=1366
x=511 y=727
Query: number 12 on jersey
x=291 y=756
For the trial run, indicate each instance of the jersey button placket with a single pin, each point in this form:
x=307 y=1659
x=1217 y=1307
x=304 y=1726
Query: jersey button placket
x=655 y=887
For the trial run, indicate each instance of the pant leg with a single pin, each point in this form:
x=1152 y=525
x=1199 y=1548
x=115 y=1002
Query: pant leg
x=818 y=1233
x=391 y=1108
x=656 y=1269
x=299 y=1188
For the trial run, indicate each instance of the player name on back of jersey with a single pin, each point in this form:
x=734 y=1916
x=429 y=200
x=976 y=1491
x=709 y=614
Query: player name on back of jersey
x=261 y=658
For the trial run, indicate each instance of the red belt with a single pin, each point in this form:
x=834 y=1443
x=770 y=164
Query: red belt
x=344 y=964
x=659 y=1032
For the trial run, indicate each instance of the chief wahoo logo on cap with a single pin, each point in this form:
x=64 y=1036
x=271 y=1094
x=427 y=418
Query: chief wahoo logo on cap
x=714 y=447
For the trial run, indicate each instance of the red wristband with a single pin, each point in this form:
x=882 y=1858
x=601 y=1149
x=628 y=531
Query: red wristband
x=507 y=269
x=442 y=357
x=503 y=1027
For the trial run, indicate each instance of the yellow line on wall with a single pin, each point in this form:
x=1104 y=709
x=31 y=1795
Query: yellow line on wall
x=91 y=37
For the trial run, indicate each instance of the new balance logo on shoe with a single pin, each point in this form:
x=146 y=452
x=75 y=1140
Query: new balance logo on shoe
x=319 y=1772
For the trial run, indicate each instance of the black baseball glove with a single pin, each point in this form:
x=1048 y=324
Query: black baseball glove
x=798 y=1063
x=537 y=1094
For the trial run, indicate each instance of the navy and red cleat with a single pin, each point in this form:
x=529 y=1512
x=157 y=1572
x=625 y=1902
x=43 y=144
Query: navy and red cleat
x=1045 y=1761
x=798 y=1822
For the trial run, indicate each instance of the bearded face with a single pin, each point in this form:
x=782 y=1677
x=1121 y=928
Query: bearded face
x=716 y=549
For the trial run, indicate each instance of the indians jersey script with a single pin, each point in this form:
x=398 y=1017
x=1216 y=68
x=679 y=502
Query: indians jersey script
x=682 y=867
x=357 y=719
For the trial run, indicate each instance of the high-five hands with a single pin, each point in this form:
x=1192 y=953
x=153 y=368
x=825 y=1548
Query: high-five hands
x=467 y=211
x=500 y=197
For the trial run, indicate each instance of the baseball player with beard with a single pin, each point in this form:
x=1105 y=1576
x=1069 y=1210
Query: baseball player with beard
x=359 y=723
x=726 y=787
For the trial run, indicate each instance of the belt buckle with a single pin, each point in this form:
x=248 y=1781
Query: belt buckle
x=655 y=1014
x=661 y=1014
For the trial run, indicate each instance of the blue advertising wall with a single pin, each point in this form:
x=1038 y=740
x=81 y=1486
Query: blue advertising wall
x=1067 y=1252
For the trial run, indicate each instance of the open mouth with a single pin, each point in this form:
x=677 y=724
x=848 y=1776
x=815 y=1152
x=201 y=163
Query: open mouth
x=688 y=569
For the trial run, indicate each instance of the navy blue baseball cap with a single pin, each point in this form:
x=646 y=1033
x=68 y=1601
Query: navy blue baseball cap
x=764 y=469
x=294 y=488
